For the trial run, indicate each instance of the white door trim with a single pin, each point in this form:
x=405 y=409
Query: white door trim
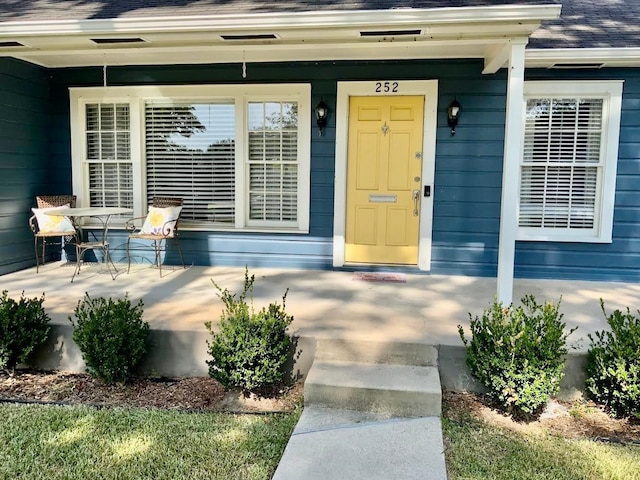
x=428 y=88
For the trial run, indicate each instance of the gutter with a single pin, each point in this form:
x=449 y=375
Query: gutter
x=289 y=21
x=607 y=57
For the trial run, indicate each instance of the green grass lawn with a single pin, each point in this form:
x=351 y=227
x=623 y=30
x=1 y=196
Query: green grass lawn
x=476 y=450
x=51 y=442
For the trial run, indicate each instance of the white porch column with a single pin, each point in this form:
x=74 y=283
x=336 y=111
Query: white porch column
x=513 y=142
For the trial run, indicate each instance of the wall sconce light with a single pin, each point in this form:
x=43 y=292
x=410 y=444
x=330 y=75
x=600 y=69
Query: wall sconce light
x=322 y=112
x=453 y=114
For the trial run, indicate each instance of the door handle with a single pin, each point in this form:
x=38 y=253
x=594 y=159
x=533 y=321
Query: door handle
x=416 y=199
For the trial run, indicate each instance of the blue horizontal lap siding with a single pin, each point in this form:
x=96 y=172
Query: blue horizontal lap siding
x=468 y=174
x=323 y=172
x=232 y=249
x=24 y=157
x=463 y=241
x=619 y=260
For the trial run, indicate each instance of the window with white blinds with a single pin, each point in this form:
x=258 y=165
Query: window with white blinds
x=108 y=155
x=563 y=167
x=272 y=161
x=239 y=155
x=190 y=153
x=561 y=164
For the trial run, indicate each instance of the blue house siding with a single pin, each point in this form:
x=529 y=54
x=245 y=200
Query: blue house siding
x=468 y=175
x=24 y=161
x=468 y=169
x=468 y=165
x=619 y=260
x=35 y=158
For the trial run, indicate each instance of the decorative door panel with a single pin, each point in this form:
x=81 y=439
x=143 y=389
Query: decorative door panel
x=384 y=165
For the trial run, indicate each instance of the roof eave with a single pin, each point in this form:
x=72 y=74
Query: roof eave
x=581 y=57
x=478 y=32
x=293 y=20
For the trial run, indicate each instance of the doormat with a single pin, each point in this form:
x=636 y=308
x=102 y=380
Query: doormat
x=380 y=277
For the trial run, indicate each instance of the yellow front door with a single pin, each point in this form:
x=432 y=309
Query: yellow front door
x=384 y=165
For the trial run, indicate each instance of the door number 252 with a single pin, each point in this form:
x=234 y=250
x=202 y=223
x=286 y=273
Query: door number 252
x=386 y=87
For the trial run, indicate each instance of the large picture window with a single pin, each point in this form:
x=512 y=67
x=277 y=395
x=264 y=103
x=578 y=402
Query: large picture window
x=567 y=174
x=239 y=156
x=190 y=152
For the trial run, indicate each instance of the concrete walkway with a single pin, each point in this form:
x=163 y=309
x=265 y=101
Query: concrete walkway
x=347 y=445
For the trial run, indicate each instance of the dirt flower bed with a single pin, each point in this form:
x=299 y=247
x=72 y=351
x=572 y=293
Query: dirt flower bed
x=187 y=393
x=574 y=420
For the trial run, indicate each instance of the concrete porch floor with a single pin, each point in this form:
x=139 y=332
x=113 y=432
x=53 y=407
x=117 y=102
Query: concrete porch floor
x=326 y=304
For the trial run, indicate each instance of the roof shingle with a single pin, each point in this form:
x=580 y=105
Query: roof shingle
x=583 y=23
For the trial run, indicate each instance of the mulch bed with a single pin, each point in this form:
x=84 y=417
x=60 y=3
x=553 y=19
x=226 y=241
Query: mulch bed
x=577 y=420
x=185 y=393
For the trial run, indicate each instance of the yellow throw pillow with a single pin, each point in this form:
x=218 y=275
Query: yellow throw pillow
x=53 y=223
x=161 y=221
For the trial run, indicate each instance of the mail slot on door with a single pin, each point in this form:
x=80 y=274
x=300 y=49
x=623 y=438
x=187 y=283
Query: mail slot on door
x=383 y=198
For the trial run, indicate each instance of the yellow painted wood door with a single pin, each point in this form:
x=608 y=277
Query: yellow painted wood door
x=384 y=166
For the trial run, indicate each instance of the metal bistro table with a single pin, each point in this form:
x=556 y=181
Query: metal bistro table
x=103 y=215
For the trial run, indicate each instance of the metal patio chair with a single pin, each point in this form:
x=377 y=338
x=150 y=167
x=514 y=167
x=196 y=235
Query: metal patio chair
x=160 y=225
x=51 y=236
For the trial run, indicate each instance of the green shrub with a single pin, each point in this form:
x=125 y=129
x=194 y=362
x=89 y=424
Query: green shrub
x=613 y=364
x=24 y=326
x=518 y=353
x=111 y=336
x=251 y=348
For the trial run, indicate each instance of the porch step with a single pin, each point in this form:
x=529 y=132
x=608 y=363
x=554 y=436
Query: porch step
x=371 y=411
x=388 y=352
x=393 y=390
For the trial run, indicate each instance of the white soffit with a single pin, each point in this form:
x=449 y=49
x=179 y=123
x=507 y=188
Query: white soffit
x=583 y=58
x=468 y=32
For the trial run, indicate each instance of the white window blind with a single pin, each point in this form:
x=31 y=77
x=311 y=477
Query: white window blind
x=273 y=162
x=190 y=153
x=562 y=164
x=108 y=155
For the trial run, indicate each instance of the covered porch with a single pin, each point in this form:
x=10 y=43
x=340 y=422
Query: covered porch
x=405 y=308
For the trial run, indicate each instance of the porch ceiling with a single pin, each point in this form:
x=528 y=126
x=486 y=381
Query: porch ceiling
x=464 y=32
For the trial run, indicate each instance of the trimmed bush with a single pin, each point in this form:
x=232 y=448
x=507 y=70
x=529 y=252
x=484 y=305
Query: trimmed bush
x=613 y=364
x=518 y=353
x=251 y=348
x=111 y=336
x=24 y=326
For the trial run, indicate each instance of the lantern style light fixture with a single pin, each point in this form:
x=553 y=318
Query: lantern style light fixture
x=322 y=112
x=453 y=114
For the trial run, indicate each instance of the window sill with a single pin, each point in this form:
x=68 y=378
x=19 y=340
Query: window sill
x=222 y=229
x=213 y=229
x=561 y=238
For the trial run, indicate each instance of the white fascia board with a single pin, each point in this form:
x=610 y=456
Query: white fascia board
x=431 y=49
x=256 y=51
x=296 y=20
x=609 y=57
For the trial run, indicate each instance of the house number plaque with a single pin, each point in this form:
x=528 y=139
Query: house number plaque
x=387 y=87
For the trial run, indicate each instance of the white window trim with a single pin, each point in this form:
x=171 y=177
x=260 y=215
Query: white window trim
x=137 y=95
x=611 y=92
